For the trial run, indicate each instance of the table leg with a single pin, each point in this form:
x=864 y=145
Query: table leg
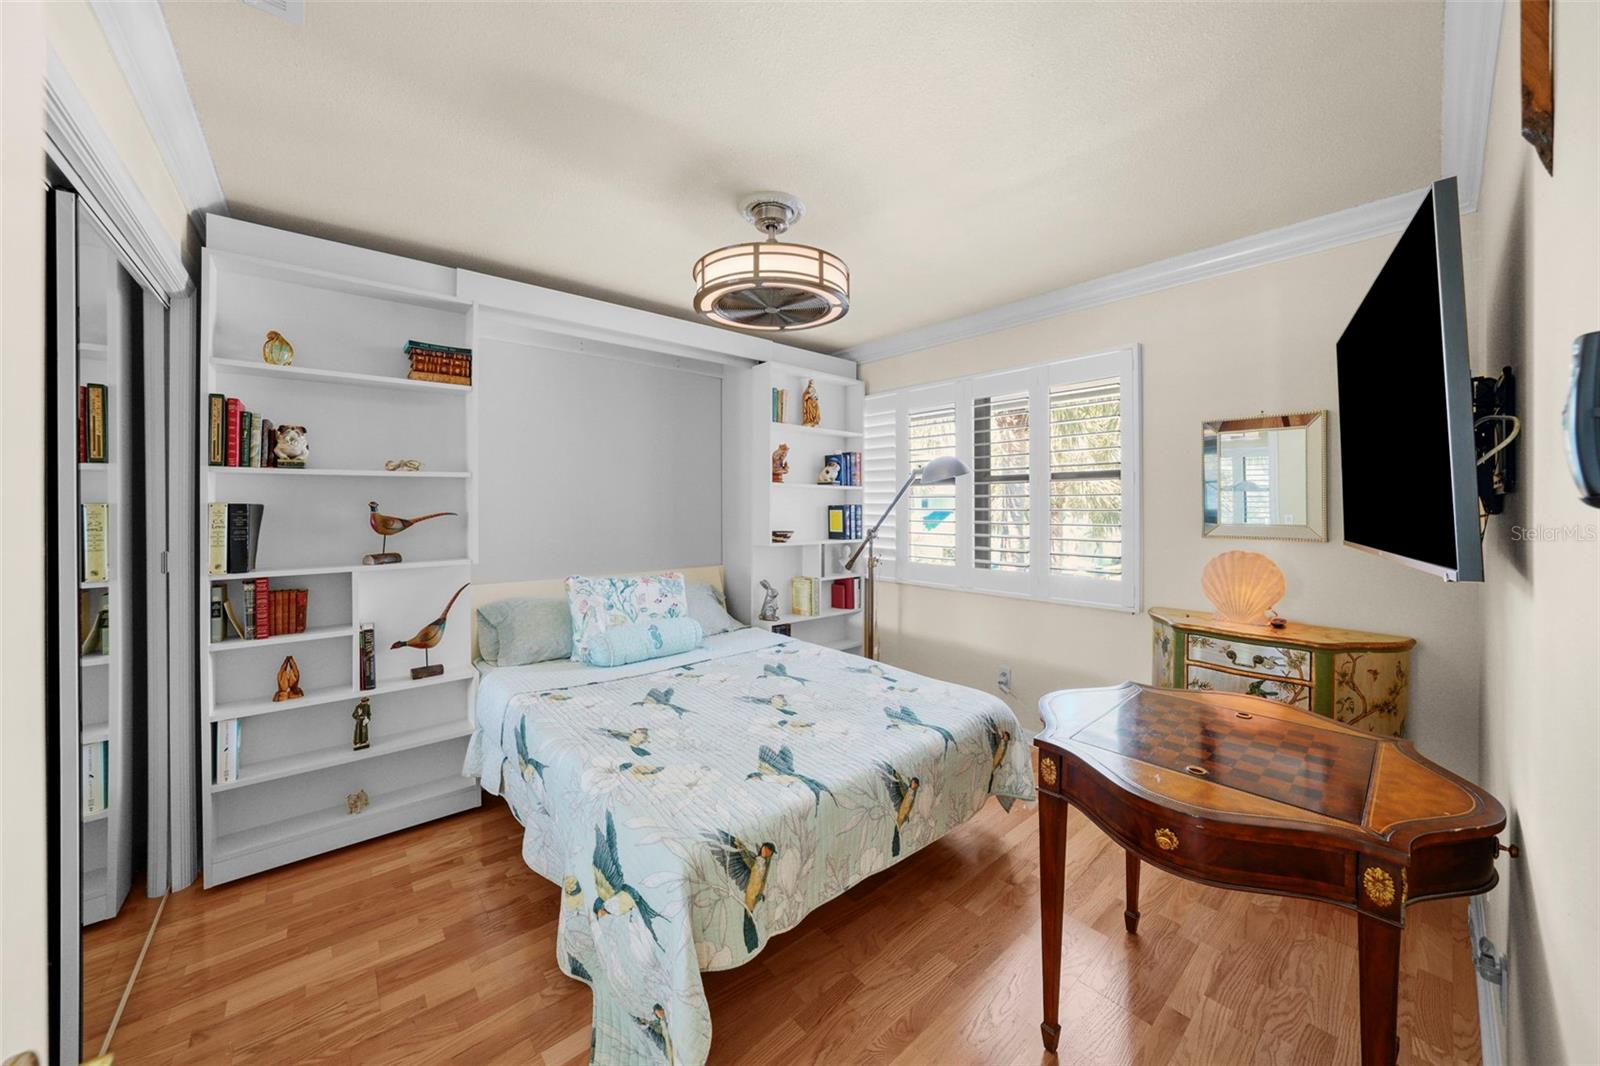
x=1052 y=898
x=1379 y=944
x=1130 y=917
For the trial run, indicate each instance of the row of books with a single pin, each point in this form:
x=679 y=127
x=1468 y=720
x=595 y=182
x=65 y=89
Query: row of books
x=845 y=522
x=92 y=407
x=236 y=437
x=780 y=404
x=849 y=467
x=805 y=596
x=439 y=362
x=94 y=524
x=268 y=612
x=225 y=758
x=845 y=594
x=95 y=778
x=233 y=534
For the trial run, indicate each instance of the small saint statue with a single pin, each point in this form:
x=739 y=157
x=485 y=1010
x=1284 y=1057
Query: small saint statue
x=780 y=464
x=769 y=605
x=363 y=715
x=810 y=409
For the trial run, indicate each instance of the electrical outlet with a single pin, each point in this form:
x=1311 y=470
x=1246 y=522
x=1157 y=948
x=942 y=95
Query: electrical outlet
x=1004 y=682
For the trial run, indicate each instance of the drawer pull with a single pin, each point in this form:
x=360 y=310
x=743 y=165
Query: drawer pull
x=1243 y=714
x=1198 y=771
x=1166 y=839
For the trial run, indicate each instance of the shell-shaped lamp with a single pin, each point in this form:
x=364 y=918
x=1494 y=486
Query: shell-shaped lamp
x=1242 y=586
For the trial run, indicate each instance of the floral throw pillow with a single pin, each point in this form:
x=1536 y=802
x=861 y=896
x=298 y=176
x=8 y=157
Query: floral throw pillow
x=599 y=602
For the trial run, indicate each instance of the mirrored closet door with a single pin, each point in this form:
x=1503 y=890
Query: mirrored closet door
x=109 y=706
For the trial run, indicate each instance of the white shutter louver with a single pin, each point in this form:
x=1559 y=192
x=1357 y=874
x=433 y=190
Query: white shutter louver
x=1086 y=479
x=1001 y=488
x=880 y=470
x=932 y=514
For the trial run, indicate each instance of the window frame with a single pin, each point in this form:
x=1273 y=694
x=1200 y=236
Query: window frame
x=1124 y=364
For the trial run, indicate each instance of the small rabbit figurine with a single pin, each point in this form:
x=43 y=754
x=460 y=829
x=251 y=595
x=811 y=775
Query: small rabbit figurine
x=769 y=605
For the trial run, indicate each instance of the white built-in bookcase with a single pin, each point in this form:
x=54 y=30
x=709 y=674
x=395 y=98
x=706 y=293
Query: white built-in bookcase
x=348 y=387
x=105 y=680
x=755 y=505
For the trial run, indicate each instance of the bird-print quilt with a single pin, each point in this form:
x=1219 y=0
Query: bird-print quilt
x=693 y=812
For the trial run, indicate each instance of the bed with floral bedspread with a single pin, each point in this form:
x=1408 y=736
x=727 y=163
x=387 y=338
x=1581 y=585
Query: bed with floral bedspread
x=692 y=807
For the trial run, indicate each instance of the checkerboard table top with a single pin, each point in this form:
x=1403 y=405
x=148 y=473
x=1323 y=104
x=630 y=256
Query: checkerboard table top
x=1248 y=758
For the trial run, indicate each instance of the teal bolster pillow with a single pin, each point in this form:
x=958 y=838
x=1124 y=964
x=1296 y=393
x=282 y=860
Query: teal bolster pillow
x=634 y=642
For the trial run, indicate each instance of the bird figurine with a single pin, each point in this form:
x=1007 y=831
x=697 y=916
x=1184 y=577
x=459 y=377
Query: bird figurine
x=779 y=766
x=906 y=716
x=617 y=898
x=657 y=697
x=386 y=526
x=748 y=870
x=903 y=794
x=999 y=741
x=655 y=1027
x=636 y=739
x=428 y=637
x=288 y=681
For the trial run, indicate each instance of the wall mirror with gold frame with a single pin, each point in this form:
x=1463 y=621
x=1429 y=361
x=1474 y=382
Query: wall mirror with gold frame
x=1265 y=477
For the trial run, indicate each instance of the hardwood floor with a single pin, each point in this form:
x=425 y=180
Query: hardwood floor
x=110 y=949
x=437 y=945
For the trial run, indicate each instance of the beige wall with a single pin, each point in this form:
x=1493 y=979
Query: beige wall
x=24 y=1017
x=1257 y=341
x=75 y=35
x=1539 y=251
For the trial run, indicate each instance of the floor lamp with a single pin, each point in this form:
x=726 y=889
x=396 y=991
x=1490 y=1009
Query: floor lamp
x=941 y=471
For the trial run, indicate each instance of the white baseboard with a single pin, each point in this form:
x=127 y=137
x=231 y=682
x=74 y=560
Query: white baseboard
x=1491 y=996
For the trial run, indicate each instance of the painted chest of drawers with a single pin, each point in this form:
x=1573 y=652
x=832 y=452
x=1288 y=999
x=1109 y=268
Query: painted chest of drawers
x=1360 y=679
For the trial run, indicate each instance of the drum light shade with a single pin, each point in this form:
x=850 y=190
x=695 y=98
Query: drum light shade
x=771 y=286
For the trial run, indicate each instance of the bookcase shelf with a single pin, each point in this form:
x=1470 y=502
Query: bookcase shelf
x=217 y=647
x=815 y=487
x=311 y=375
x=824 y=613
x=781 y=429
x=97 y=659
x=347 y=387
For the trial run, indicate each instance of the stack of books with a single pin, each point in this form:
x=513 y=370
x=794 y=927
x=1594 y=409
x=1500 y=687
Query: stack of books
x=96 y=787
x=235 y=533
x=268 y=612
x=805 y=596
x=845 y=593
x=844 y=521
x=226 y=760
x=91 y=423
x=780 y=404
x=849 y=467
x=236 y=437
x=439 y=362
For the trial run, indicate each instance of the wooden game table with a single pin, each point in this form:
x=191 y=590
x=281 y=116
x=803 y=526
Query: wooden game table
x=1246 y=793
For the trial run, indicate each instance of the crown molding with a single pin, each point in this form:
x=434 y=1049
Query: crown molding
x=1471 y=46
x=79 y=145
x=137 y=33
x=1300 y=238
x=1471 y=39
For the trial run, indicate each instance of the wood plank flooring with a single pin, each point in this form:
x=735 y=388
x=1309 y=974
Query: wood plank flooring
x=438 y=945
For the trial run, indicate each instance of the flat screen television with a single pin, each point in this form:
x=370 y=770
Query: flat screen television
x=1407 y=459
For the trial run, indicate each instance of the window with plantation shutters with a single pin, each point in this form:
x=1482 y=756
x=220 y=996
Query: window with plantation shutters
x=1051 y=507
x=932 y=512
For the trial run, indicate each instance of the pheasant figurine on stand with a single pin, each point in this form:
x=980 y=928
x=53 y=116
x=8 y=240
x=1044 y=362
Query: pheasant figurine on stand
x=386 y=526
x=428 y=637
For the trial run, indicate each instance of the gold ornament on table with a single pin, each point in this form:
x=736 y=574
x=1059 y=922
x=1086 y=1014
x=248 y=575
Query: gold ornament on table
x=363 y=716
x=780 y=464
x=810 y=409
x=288 y=681
x=1243 y=586
x=277 y=350
x=1378 y=886
x=427 y=638
x=386 y=526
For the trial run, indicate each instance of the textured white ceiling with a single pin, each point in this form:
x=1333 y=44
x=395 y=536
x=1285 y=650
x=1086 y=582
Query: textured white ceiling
x=957 y=156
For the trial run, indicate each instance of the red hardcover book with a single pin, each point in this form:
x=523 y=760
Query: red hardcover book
x=235 y=409
x=279 y=616
x=301 y=598
x=263 y=621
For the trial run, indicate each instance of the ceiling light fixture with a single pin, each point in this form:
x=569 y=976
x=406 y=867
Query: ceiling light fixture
x=771 y=286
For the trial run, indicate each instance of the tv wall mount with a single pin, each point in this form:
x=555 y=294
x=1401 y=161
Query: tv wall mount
x=1495 y=428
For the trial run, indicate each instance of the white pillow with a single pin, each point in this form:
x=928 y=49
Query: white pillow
x=706 y=606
